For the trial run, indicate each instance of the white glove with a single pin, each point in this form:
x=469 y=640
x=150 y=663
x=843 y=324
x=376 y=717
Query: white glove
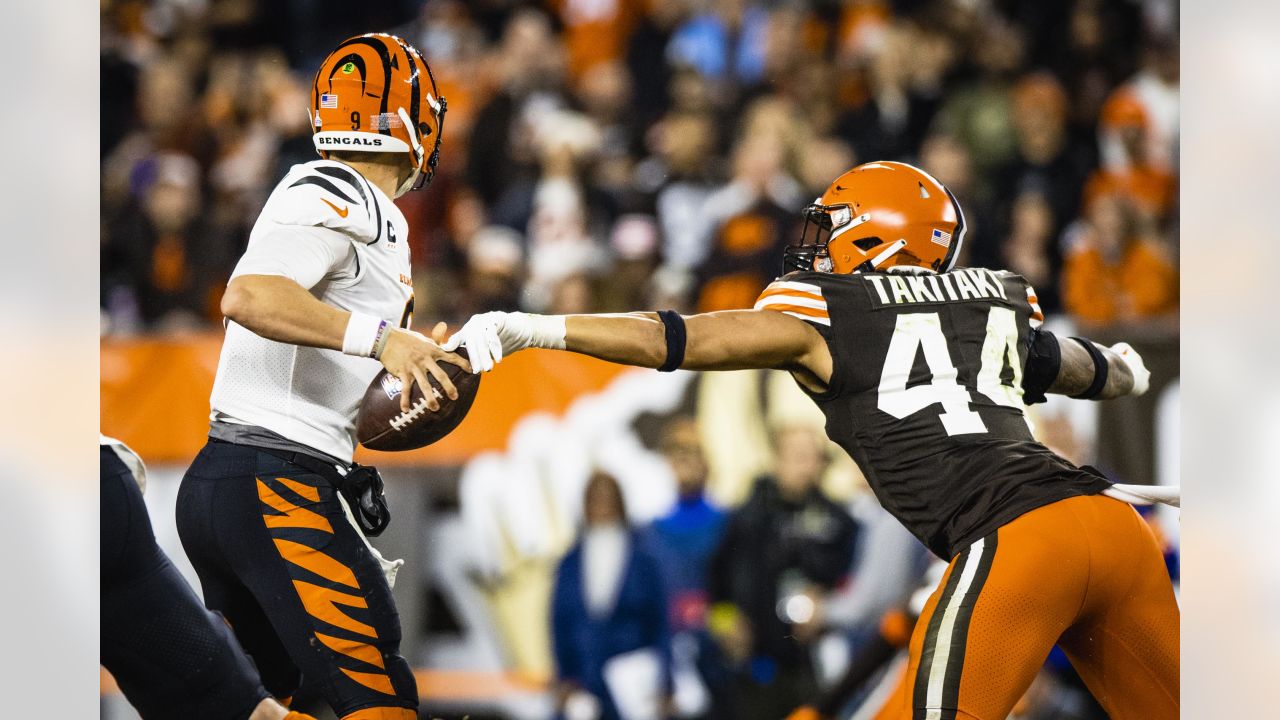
x=491 y=336
x=1141 y=376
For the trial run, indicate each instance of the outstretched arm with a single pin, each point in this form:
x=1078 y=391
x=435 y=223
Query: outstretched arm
x=1077 y=373
x=729 y=340
x=1067 y=367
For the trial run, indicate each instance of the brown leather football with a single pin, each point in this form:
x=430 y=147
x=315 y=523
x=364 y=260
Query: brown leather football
x=381 y=425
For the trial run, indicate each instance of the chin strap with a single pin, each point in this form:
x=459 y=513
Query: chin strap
x=418 y=152
x=881 y=257
x=887 y=253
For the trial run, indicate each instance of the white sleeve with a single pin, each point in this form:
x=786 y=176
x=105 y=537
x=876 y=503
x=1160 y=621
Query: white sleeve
x=301 y=253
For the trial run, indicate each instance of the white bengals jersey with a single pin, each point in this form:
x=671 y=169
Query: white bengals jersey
x=338 y=235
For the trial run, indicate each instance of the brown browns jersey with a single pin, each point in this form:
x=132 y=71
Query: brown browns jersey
x=926 y=395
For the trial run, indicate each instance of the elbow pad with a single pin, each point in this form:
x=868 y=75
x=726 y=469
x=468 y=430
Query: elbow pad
x=1043 y=363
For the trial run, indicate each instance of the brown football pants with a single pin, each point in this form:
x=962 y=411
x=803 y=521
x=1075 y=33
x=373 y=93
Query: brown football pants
x=1086 y=573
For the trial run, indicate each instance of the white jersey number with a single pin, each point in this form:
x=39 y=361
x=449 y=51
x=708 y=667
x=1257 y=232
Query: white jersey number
x=924 y=330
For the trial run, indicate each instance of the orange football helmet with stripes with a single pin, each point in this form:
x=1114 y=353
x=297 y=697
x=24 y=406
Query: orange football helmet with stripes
x=879 y=215
x=375 y=93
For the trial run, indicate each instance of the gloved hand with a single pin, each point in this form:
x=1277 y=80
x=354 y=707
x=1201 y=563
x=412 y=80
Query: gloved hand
x=1131 y=358
x=491 y=336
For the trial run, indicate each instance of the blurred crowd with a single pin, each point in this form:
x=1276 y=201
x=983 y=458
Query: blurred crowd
x=794 y=604
x=603 y=155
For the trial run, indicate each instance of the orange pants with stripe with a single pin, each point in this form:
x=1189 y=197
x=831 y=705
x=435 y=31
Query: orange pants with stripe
x=1085 y=573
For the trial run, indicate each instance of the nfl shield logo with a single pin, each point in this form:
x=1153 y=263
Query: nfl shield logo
x=329 y=101
x=391 y=386
x=943 y=239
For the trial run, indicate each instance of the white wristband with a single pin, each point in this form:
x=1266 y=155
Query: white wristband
x=546 y=331
x=364 y=335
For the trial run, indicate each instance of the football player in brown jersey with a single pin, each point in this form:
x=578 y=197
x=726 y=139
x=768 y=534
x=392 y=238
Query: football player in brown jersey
x=923 y=371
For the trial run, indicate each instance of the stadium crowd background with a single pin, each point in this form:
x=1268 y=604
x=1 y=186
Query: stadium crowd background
x=609 y=155
x=624 y=154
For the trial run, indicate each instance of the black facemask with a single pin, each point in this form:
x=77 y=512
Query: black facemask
x=811 y=254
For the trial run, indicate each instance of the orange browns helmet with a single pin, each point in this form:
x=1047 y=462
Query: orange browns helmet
x=879 y=215
x=375 y=93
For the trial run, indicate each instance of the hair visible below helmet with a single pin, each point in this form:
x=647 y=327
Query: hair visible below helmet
x=375 y=93
x=880 y=215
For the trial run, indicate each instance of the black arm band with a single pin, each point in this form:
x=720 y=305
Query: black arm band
x=674 y=325
x=1101 y=368
x=1044 y=361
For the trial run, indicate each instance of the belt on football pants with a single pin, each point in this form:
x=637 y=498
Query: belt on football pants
x=361 y=487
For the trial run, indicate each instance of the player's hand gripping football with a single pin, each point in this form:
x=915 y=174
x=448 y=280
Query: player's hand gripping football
x=491 y=336
x=411 y=355
x=1131 y=358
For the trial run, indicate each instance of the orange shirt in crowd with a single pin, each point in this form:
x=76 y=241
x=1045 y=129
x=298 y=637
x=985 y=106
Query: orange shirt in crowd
x=1142 y=284
x=1151 y=189
x=595 y=31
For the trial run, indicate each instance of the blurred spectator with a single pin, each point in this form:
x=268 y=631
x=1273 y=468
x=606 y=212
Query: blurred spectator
x=782 y=550
x=595 y=31
x=605 y=94
x=724 y=43
x=1029 y=248
x=1150 y=101
x=1039 y=189
x=634 y=249
x=683 y=542
x=646 y=58
x=889 y=564
x=980 y=113
x=495 y=264
x=752 y=217
x=608 y=604
x=164 y=256
x=1115 y=272
x=897 y=91
x=681 y=175
x=1135 y=170
x=829 y=157
x=530 y=66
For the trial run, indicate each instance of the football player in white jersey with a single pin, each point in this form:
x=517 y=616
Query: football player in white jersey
x=271 y=512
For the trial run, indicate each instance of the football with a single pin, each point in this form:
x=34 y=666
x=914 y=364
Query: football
x=382 y=425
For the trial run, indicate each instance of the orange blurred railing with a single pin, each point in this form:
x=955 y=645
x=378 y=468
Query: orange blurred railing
x=155 y=397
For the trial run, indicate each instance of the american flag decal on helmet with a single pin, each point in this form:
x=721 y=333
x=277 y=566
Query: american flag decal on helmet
x=941 y=238
x=329 y=101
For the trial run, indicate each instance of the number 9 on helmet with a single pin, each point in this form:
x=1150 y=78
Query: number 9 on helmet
x=375 y=93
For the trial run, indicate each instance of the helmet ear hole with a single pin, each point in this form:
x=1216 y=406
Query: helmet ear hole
x=865 y=244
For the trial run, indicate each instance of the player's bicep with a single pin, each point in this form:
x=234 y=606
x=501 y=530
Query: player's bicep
x=303 y=254
x=743 y=339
